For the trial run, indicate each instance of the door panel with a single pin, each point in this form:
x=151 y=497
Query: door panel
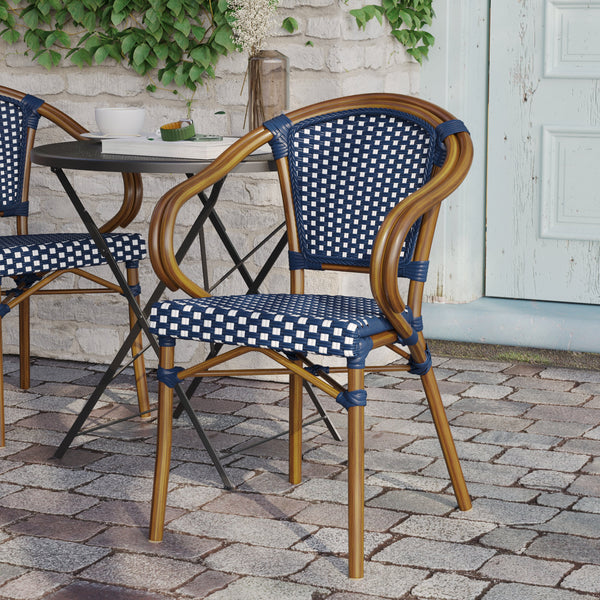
x=543 y=193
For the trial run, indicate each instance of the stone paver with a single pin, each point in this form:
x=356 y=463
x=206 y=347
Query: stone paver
x=585 y=579
x=566 y=547
x=543 y=459
x=449 y=586
x=440 y=528
x=262 y=562
x=525 y=569
x=432 y=554
x=52 y=555
x=528 y=438
x=255 y=588
x=511 y=591
x=506 y=513
x=138 y=570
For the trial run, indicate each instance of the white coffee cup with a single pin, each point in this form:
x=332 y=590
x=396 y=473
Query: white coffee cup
x=120 y=120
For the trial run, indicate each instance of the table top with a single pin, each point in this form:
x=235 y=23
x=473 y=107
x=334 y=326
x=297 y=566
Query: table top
x=86 y=155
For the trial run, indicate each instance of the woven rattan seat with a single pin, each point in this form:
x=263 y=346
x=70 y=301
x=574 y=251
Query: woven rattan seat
x=362 y=180
x=38 y=253
x=330 y=325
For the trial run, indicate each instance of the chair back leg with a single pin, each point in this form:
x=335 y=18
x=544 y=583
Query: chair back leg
x=442 y=427
x=295 y=424
x=139 y=365
x=24 y=345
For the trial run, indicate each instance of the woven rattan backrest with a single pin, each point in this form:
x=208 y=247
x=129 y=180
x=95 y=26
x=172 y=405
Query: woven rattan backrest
x=16 y=118
x=347 y=170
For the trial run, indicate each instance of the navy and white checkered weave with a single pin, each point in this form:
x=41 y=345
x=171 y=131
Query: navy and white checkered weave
x=37 y=253
x=13 y=138
x=333 y=325
x=348 y=170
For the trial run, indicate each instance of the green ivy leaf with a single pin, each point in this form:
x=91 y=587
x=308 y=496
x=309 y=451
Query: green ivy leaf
x=30 y=18
x=118 y=17
x=57 y=37
x=161 y=51
x=198 y=32
x=120 y=5
x=76 y=10
x=427 y=38
x=10 y=36
x=175 y=6
x=140 y=54
x=184 y=26
x=89 y=21
x=32 y=39
x=406 y=18
x=181 y=40
x=49 y=59
x=101 y=54
x=418 y=53
x=223 y=37
x=360 y=16
x=81 y=58
x=196 y=72
x=128 y=43
x=166 y=76
x=290 y=24
x=201 y=54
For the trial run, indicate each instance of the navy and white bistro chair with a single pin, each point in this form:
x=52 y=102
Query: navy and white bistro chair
x=362 y=180
x=31 y=261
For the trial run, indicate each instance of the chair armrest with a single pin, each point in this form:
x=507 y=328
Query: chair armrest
x=164 y=216
x=387 y=248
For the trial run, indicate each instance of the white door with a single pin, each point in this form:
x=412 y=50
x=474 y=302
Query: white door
x=543 y=182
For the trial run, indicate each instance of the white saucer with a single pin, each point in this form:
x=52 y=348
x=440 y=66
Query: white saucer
x=96 y=135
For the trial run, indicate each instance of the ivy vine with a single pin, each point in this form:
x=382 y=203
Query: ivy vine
x=407 y=19
x=182 y=39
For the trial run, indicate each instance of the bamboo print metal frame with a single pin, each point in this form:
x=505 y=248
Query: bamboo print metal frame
x=420 y=206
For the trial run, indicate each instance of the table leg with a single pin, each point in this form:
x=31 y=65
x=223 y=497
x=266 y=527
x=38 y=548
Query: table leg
x=142 y=323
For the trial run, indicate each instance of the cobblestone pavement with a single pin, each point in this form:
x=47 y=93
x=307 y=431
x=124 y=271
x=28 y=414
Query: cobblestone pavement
x=528 y=438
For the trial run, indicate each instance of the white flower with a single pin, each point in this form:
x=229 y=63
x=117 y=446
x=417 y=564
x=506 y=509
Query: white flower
x=254 y=20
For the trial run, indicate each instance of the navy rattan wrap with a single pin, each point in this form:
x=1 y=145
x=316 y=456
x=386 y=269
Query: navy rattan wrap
x=348 y=170
x=38 y=253
x=169 y=376
x=279 y=126
x=443 y=130
x=333 y=325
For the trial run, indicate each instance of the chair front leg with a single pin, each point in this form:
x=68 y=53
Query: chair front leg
x=163 y=449
x=295 y=435
x=139 y=366
x=24 y=345
x=356 y=479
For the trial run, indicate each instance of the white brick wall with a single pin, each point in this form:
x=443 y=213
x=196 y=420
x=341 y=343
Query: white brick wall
x=342 y=61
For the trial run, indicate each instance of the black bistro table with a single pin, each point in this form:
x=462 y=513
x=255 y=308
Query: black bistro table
x=87 y=155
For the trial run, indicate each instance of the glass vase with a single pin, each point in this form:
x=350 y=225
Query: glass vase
x=268 y=87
